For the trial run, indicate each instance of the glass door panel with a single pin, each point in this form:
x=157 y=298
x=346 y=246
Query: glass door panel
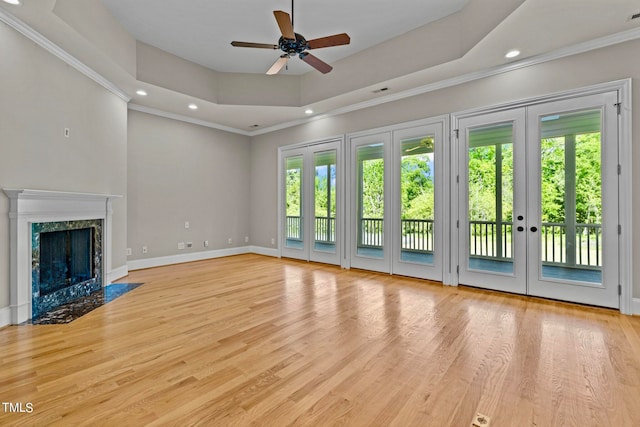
x=490 y=198
x=326 y=227
x=293 y=223
x=325 y=201
x=371 y=201
x=370 y=210
x=571 y=196
x=417 y=191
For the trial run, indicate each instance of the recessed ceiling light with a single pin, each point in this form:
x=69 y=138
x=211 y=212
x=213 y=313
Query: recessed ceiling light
x=193 y=106
x=15 y=2
x=512 y=53
x=308 y=111
x=141 y=92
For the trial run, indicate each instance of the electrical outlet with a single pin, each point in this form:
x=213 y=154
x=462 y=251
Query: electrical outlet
x=129 y=252
x=144 y=250
x=273 y=241
x=246 y=239
x=206 y=243
x=180 y=245
x=67 y=133
x=186 y=224
x=189 y=244
x=230 y=241
x=480 y=420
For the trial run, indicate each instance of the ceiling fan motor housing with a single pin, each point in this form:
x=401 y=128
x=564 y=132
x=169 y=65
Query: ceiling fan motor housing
x=293 y=47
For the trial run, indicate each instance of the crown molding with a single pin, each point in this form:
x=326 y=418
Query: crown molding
x=60 y=53
x=180 y=117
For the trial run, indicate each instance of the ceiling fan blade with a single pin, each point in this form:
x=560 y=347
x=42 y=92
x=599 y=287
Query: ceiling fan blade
x=334 y=40
x=277 y=66
x=284 y=22
x=316 y=63
x=257 y=45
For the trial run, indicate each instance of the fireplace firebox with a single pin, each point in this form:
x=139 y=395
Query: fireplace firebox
x=66 y=262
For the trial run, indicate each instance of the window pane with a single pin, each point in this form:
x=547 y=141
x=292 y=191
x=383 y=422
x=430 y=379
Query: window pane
x=370 y=202
x=293 y=199
x=325 y=201
x=490 y=198
x=571 y=196
x=417 y=200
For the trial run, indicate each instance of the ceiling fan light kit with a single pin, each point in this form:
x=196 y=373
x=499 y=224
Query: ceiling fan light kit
x=294 y=44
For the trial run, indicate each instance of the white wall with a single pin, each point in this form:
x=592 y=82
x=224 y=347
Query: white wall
x=603 y=65
x=183 y=172
x=39 y=97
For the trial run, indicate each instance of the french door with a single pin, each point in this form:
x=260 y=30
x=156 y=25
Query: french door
x=311 y=197
x=395 y=197
x=573 y=198
x=417 y=201
x=492 y=201
x=538 y=200
x=370 y=202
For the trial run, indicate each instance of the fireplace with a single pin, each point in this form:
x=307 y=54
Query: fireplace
x=66 y=262
x=60 y=248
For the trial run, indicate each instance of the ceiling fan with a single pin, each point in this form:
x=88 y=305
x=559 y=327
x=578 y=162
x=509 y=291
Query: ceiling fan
x=292 y=44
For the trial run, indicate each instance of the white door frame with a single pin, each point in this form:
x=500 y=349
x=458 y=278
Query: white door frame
x=623 y=88
x=304 y=149
x=443 y=194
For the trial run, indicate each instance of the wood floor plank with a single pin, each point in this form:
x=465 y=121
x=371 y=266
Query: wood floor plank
x=253 y=340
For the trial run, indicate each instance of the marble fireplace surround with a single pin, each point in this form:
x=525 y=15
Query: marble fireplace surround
x=36 y=206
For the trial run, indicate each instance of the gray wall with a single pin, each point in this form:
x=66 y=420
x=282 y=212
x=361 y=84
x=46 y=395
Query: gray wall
x=183 y=172
x=603 y=65
x=39 y=97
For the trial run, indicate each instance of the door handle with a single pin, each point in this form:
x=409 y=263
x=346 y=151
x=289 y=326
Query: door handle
x=534 y=229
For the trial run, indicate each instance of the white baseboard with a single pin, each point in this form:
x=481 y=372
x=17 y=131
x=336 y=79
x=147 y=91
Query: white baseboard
x=5 y=316
x=636 y=307
x=140 y=264
x=117 y=273
x=261 y=250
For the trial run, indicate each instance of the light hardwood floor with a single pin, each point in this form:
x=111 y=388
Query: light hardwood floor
x=252 y=340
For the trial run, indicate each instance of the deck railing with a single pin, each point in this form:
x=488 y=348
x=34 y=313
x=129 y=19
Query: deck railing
x=325 y=229
x=558 y=248
x=487 y=239
x=584 y=249
x=294 y=228
x=417 y=235
x=371 y=232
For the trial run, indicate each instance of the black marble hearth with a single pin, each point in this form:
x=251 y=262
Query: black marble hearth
x=71 y=311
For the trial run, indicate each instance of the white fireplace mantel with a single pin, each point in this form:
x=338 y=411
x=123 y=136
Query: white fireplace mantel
x=35 y=206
